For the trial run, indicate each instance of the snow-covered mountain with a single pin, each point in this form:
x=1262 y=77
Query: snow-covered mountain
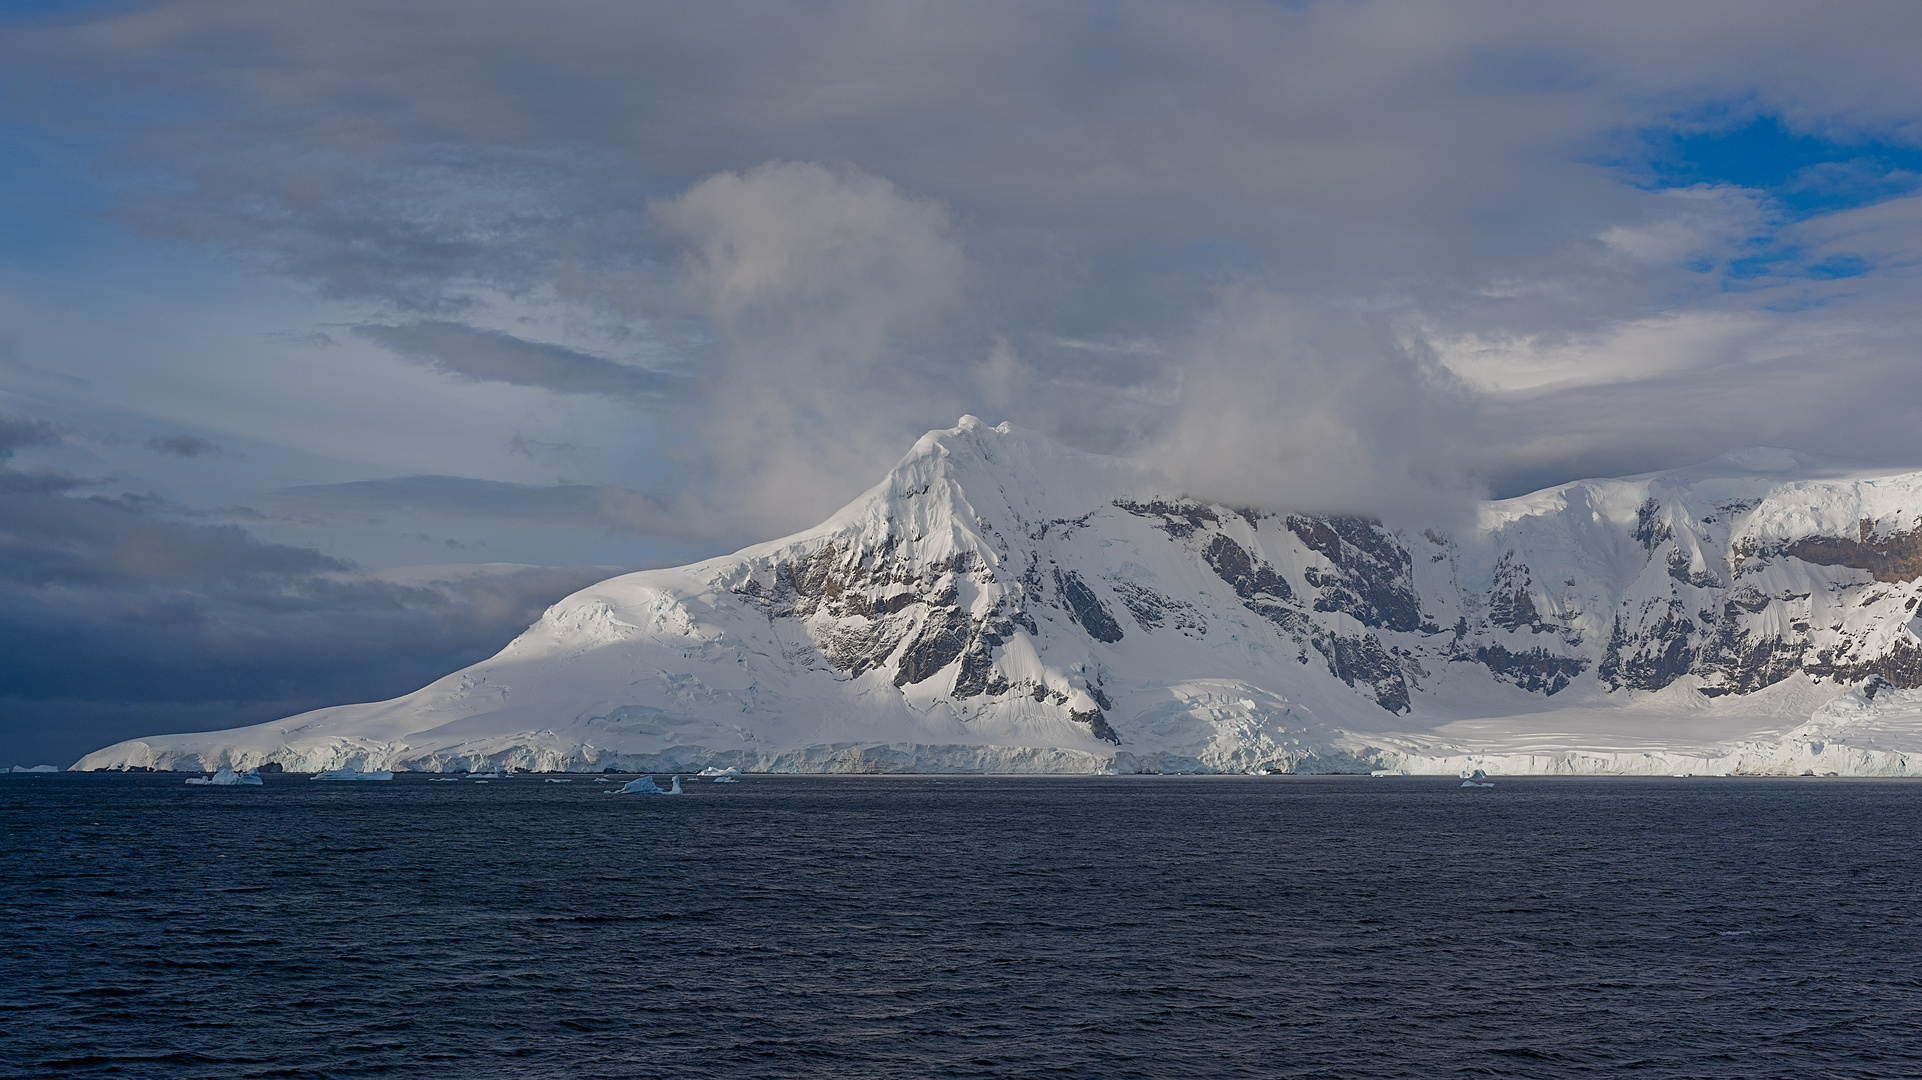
x=1003 y=603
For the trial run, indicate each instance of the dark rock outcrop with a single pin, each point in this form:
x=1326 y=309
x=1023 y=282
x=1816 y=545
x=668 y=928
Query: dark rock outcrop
x=1535 y=670
x=1085 y=608
x=1372 y=578
x=1364 y=660
x=1897 y=557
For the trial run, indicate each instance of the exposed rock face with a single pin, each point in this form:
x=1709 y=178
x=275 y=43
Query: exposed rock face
x=1001 y=591
x=1370 y=571
x=1897 y=557
x=1086 y=608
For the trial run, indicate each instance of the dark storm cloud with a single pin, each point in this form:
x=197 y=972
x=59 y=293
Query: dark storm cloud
x=665 y=515
x=445 y=496
x=181 y=445
x=17 y=432
x=489 y=355
x=114 y=619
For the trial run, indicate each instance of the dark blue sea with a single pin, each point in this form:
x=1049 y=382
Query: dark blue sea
x=961 y=927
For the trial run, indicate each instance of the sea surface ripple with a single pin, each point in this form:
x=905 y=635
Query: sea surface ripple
x=961 y=927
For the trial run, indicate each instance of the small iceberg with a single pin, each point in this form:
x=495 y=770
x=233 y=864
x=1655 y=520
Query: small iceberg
x=353 y=774
x=601 y=780
x=229 y=778
x=1389 y=772
x=553 y=780
x=646 y=786
x=714 y=772
x=1477 y=778
x=727 y=779
x=34 y=768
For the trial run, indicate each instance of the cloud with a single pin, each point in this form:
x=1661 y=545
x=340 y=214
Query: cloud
x=181 y=445
x=117 y=621
x=1284 y=406
x=57 y=540
x=489 y=355
x=1405 y=245
x=671 y=515
x=17 y=432
x=444 y=496
x=829 y=294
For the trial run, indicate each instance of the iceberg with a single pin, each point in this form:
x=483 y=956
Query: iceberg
x=353 y=774
x=712 y=771
x=646 y=786
x=34 y=769
x=1477 y=778
x=229 y=778
x=552 y=780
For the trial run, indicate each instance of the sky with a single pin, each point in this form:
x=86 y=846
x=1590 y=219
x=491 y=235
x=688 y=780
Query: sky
x=339 y=337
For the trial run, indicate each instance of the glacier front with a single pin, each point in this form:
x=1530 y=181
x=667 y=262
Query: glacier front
x=1003 y=603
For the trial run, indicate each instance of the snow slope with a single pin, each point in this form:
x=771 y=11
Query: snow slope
x=1003 y=603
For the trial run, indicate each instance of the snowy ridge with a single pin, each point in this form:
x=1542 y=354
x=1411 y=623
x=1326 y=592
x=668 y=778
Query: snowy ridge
x=1001 y=603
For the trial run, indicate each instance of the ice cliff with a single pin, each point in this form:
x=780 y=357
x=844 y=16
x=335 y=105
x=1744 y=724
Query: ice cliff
x=1003 y=603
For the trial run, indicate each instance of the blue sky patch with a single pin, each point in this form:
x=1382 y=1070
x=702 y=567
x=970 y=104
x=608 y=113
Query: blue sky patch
x=1806 y=174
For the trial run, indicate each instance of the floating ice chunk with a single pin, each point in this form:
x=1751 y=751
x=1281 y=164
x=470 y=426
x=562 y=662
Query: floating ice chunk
x=353 y=774
x=34 y=768
x=552 y=780
x=643 y=786
x=600 y=780
x=480 y=781
x=443 y=779
x=727 y=779
x=712 y=771
x=230 y=778
x=1477 y=778
x=676 y=789
x=1389 y=772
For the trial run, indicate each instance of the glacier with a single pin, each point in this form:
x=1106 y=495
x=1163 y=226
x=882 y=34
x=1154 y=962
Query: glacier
x=1003 y=603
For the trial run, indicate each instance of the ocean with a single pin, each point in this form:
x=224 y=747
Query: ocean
x=962 y=927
